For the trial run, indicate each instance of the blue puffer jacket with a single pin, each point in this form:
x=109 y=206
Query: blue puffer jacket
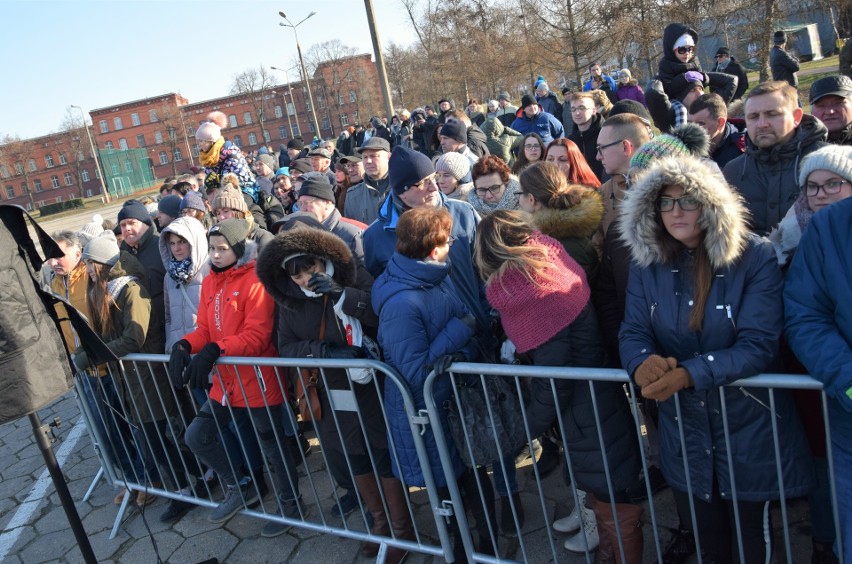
x=419 y=321
x=818 y=309
x=543 y=123
x=743 y=320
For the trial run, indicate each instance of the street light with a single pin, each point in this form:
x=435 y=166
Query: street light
x=292 y=100
x=302 y=63
x=98 y=167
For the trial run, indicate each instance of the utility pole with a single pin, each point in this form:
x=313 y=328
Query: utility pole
x=380 y=59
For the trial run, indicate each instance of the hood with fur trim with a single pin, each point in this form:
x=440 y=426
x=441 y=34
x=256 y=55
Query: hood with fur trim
x=724 y=218
x=580 y=220
x=308 y=240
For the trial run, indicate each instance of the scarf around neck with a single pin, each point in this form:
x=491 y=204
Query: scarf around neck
x=211 y=158
x=180 y=270
x=509 y=200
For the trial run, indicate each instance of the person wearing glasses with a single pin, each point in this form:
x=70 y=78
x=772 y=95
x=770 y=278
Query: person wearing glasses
x=532 y=149
x=495 y=188
x=704 y=309
x=728 y=64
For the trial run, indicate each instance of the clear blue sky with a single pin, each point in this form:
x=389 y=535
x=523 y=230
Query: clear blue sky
x=99 y=53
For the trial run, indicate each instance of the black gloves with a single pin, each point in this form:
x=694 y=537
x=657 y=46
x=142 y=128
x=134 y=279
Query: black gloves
x=330 y=350
x=443 y=363
x=198 y=372
x=470 y=320
x=178 y=361
x=322 y=283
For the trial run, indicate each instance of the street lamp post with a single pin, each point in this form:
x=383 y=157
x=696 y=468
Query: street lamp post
x=292 y=101
x=304 y=70
x=94 y=154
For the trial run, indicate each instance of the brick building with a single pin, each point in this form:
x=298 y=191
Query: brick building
x=346 y=91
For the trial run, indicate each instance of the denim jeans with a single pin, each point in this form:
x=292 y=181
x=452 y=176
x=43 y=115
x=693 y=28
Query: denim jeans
x=841 y=450
x=251 y=458
x=506 y=485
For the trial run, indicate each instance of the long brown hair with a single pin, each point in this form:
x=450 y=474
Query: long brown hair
x=503 y=243
x=549 y=186
x=522 y=162
x=100 y=300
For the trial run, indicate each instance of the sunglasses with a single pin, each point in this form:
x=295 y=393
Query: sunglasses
x=684 y=50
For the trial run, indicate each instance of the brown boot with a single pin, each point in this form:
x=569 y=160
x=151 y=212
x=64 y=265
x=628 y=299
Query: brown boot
x=369 y=491
x=629 y=525
x=400 y=518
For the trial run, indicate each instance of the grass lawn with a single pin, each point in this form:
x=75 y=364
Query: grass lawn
x=808 y=73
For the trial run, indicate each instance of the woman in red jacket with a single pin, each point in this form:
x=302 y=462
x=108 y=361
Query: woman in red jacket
x=235 y=318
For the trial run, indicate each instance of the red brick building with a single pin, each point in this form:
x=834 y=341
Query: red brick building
x=346 y=91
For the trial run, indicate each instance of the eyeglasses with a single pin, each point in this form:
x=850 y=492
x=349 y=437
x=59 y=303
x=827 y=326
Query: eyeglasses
x=579 y=109
x=831 y=187
x=721 y=56
x=519 y=193
x=686 y=203
x=535 y=146
x=600 y=148
x=493 y=189
x=684 y=50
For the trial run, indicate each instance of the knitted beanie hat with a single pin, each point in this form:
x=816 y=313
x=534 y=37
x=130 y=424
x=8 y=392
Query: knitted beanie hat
x=685 y=40
x=91 y=229
x=266 y=159
x=134 y=209
x=779 y=37
x=102 y=249
x=407 y=167
x=235 y=231
x=229 y=197
x=628 y=106
x=456 y=164
x=454 y=130
x=296 y=144
x=688 y=139
x=834 y=158
x=208 y=131
x=193 y=200
x=317 y=187
x=533 y=312
x=170 y=205
x=528 y=100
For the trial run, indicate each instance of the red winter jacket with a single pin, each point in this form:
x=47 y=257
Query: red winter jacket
x=237 y=314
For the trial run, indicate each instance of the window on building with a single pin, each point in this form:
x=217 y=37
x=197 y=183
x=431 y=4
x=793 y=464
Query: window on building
x=58 y=199
x=24 y=189
x=232 y=120
x=104 y=126
x=344 y=119
x=321 y=102
x=10 y=192
x=307 y=106
x=69 y=179
x=252 y=138
x=178 y=155
x=158 y=137
x=4 y=171
x=326 y=124
x=291 y=109
x=355 y=117
x=116 y=122
x=266 y=136
x=97 y=172
x=140 y=141
x=54 y=181
x=48 y=161
x=134 y=119
x=152 y=116
x=62 y=159
x=195 y=150
x=282 y=132
x=108 y=145
x=128 y=166
x=296 y=131
x=311 y=127
x=122 y=144
x=19 y=168
x=32 y=165
x=116 y=170
x=164 y=158
x=247 y=118
x=88 y=193
x=340 y=100
x=37 y=185
x=71 y=196
x=80 y=156
x=279 y=112
x=172 y=133
x=353 y=97
x=238 y=140
x=84 y=174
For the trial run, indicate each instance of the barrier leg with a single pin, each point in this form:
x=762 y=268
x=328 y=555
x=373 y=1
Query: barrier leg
x=94 y=483
x=121 y=511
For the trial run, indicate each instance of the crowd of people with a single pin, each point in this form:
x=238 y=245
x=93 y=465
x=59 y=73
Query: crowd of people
x=624 y=227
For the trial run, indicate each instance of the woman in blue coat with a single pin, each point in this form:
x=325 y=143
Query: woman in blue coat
x=704 y=308
x=424 y=326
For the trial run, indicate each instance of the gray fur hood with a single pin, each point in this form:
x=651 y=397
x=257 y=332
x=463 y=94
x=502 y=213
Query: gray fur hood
x=724 y=217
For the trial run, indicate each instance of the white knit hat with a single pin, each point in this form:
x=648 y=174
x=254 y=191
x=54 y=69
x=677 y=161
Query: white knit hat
x=685 y=40
x=834 y=158
x=208 y=131
x=455 y=163
x=91 y=229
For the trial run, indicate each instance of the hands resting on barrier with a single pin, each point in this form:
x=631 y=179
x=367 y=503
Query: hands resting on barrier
x=660 y=378
x=194 y=372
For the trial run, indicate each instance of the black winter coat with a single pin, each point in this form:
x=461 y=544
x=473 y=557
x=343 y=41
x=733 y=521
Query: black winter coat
x=731 y=146
x=587 y=141
x=735 y=69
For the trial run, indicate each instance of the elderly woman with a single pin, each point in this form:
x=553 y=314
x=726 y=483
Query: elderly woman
x=494 y=186
x=703 y=309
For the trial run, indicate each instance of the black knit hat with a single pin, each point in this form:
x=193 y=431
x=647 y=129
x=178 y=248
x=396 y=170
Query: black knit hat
x=723 y=51
x=134 y=209
x=628 y=106
x=317 y=187
x=528 y=100
x=454 y=130
x=234 y=231
x=407 y=167
x=296 y=143
x=170 y=205
x=779 y=38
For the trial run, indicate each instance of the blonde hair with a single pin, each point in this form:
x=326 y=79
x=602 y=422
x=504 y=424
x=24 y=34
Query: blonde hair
x=503 y=243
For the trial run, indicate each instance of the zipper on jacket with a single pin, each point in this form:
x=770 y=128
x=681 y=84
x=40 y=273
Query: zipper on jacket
x=730 y=316
x=653 y=309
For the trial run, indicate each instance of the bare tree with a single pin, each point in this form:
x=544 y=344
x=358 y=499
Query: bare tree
x=170 y=117
x=327 y=61
x=74 y=143
x=254 y=83
x=18 y=154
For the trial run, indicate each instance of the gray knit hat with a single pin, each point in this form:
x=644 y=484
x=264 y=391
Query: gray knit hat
x=456 y=164
x=235 y=231
x=91 y=229
x=102 y=249
x=834 y=158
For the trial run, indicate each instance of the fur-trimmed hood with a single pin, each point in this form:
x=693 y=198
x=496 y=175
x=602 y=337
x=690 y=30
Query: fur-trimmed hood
x=308 y=240
x=723 y=218
x=577 y=221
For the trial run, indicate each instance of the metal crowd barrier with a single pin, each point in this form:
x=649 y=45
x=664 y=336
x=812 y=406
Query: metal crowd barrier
x=439 y=515
x=544 y=500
